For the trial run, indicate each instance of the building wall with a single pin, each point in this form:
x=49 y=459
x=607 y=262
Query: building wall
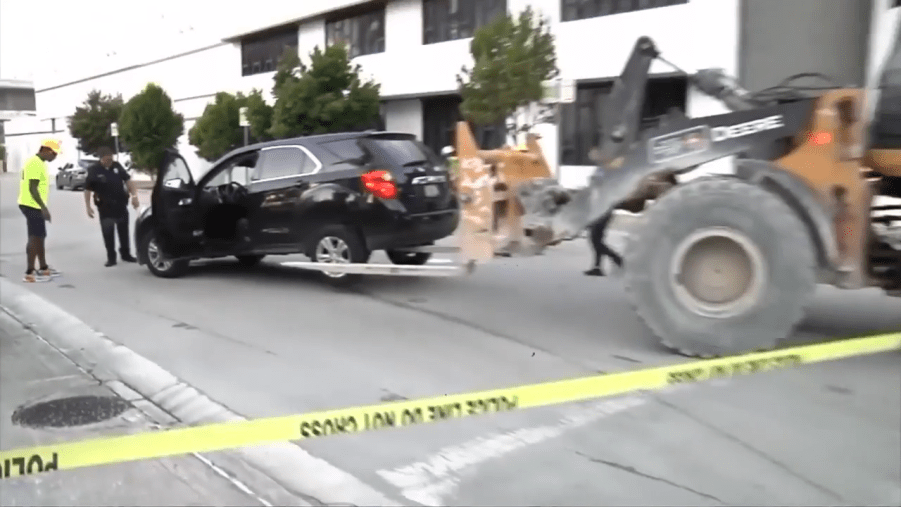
x=699 y=34
x=190 y=80
x=781 y=38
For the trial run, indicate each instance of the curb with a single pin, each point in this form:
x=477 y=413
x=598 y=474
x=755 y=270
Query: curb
x=294 y=469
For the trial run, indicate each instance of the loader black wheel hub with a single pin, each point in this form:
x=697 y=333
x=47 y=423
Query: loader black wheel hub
x=718 y=272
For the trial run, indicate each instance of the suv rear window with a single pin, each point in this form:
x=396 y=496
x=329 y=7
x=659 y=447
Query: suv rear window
x=346 y=149
x=395 y=151
x=399 y=151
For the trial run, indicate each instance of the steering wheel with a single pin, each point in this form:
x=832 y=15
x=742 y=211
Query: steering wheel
x=232 y=192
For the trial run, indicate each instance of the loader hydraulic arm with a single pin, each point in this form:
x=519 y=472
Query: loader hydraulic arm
x=621 y=115
x=628 y=157
x=622 y=108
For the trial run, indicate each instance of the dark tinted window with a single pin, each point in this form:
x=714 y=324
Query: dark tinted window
x=260 y=53
x=363 y=34
x=346 y=149
x=85 y=163
x=584 y=9
x=439 y=123
x=399 y=151
x=281 y=162
x=446 y=20
x=580 y=125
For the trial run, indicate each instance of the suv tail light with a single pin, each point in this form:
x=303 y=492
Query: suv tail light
x=380 y=184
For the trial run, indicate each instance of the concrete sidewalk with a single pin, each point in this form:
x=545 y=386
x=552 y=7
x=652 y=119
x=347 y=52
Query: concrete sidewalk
x=32 y=373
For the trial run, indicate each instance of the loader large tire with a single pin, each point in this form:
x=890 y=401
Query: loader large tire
x=720 y=267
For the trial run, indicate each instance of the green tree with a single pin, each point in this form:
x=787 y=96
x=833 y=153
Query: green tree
x=259 y=115
x=90 y=125
x=512 y=57
x=218 y=129
x=327 y=96
x=148 y=126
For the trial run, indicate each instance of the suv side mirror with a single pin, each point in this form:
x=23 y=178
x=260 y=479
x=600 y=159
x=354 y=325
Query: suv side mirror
x=447 y=151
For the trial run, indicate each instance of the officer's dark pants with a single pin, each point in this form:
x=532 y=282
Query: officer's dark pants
x=596 y=238
x=114 y=221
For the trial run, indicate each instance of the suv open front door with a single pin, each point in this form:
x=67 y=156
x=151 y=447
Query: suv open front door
x=177 y=224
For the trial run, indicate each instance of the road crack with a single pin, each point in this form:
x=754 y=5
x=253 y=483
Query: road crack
x=634 y=471
x=732 y=438
x=453 y=319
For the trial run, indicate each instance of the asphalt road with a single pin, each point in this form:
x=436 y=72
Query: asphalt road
x=273 y=340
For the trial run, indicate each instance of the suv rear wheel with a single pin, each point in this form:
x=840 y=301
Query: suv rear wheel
x=403 y=258
x=151 y=251
x=338 y=244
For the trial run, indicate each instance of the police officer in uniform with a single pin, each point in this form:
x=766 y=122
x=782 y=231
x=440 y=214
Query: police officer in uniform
x=110 y=186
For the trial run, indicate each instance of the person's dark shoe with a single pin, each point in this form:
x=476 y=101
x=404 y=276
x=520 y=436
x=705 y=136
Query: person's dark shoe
x=594 y=272
x=110 y=263
x=128 y=258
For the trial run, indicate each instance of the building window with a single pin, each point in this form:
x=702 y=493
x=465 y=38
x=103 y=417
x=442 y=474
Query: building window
x=439 y=122
x=446 y=20
x=580 y=122
x=260 y=53
x=363 y=34
x=584 y=9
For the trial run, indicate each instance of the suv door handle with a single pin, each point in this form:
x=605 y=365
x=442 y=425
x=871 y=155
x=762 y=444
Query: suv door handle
x=185 y=202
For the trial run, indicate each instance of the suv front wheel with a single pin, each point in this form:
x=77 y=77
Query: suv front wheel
x=157 y=265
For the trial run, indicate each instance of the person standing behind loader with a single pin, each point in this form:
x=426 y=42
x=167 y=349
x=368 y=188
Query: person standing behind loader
x=597 y=231
x=107 y=181
x=34 y=190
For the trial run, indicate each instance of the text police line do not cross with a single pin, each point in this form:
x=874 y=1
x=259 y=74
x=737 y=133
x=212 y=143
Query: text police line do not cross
x=379 y=419
x=235 y=434
x=29 y=465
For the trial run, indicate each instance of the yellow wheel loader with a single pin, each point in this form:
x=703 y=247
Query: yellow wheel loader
x=719 y=264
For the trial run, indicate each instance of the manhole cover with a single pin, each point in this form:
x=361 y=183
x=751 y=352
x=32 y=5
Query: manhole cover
x=72 y=411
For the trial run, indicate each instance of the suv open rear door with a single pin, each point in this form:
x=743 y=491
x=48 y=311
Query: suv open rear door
x=178 y=225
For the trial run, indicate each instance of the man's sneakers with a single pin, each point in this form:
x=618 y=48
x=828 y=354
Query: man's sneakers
x=35 y=277
x=49 y=272
x=44 y=274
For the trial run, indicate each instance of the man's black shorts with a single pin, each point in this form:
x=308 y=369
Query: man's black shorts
x=37 y=226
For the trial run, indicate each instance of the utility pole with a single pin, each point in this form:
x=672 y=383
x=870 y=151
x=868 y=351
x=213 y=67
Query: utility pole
x=114 y=131
x=242 y=121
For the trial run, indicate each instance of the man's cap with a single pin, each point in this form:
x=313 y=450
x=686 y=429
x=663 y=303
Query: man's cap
x=52 y=145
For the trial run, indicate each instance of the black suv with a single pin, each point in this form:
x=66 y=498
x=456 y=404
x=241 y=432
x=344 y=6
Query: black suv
x=333 y=197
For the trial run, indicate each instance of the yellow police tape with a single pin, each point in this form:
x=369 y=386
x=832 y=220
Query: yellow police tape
x=215 y=437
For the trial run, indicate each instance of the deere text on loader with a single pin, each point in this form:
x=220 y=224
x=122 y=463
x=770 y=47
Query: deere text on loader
x=721 y=264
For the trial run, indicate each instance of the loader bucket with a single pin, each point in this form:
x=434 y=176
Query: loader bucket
x=491 y=213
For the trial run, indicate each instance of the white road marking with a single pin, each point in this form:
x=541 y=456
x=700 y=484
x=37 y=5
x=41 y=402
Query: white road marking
x=429 y=481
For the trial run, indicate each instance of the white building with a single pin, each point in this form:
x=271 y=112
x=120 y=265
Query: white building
x=415 y=48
